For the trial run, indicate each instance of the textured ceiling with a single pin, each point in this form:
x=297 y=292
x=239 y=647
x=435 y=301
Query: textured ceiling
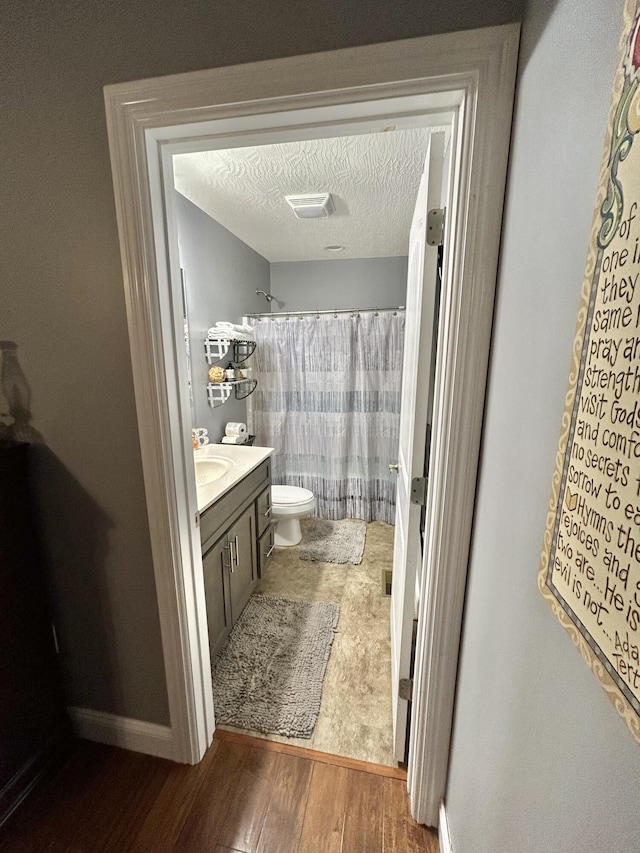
x=373 y=179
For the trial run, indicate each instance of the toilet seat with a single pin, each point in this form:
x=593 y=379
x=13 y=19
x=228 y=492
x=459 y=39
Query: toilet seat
x=290 y=496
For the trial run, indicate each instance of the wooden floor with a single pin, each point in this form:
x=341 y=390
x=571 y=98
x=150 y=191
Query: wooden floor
x=246 y=795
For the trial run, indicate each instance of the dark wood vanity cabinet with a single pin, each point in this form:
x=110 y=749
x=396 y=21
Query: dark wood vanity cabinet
x=266 y=544
x=243 y=569
x=266 y=529
x=234 y=531
x=263 y=510
x=215 y=565
x=34 y=730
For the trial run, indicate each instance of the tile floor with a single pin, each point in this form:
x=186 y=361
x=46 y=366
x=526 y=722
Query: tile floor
x=355 y=714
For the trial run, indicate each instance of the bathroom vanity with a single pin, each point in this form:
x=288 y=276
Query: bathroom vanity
x=236 y=530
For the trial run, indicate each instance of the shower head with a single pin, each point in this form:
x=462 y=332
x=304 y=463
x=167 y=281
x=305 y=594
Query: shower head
x=266 y=295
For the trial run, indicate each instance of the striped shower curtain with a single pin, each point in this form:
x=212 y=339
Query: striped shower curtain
x=328 y=401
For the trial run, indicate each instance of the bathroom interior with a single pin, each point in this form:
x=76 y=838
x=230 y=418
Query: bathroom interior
x=294 y=322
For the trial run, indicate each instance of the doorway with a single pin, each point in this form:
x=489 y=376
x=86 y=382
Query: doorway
x=468 y=75
x=329 y=387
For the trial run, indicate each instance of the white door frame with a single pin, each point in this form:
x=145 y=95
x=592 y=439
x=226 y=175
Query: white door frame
x=470 y=74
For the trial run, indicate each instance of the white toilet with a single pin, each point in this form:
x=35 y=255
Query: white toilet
x=288 y=505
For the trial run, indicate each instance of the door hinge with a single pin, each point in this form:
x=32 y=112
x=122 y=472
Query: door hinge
x=435 y=227
x=197 y=519
x=405 y=688
x=419 y=490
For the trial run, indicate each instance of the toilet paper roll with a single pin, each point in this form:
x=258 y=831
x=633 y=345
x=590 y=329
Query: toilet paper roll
x=233 y=428
x=232 y=439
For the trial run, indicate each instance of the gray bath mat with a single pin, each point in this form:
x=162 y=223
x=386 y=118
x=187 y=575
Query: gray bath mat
x=333 y=541
x=269 y=674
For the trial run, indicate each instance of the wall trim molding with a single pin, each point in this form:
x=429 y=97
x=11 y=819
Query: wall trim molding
x=443 y=831
x=125 y=732
x=469 y=75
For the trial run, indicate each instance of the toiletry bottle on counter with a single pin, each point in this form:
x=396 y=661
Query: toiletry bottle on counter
x=231 y=373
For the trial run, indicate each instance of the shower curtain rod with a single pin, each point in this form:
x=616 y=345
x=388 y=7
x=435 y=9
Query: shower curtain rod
x=332 y=311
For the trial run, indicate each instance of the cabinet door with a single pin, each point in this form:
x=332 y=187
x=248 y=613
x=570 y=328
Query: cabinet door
x=34 y=730
x=215 y=564
x=263 y=510
x=243 y=574
x=266 y=544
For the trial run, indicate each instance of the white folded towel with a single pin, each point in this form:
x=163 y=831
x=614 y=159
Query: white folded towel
x=222 y=333
x=214 y=332
x=238 y=327
x=232 y=332
x=226 y=335
x=235 y=329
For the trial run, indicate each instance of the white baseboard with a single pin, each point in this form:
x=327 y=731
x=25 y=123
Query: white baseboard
x=443 y=831
x=125 y=732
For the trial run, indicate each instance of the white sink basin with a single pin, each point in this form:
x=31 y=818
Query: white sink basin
x=211 y=468
x=220 y=466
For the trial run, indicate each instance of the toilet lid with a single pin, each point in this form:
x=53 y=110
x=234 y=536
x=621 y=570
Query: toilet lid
x=288 y=495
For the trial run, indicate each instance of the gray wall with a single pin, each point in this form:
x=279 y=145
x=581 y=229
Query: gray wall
x=541 y=761
x=337 y=283
x=62 y=302
x=222 y=276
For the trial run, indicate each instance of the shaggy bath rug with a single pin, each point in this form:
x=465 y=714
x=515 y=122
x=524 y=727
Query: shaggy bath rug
x=269 y=674
x=333 y=541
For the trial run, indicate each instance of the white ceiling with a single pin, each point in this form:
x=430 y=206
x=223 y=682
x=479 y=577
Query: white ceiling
x=373 y=179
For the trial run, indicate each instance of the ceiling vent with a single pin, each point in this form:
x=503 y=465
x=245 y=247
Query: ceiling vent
x=311 y=205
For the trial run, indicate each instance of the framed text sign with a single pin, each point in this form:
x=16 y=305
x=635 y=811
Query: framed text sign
x=590 y=571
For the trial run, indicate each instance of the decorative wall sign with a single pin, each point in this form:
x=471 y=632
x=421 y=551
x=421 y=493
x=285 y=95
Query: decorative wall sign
x=590 y=572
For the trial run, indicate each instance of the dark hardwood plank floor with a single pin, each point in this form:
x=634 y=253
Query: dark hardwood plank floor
x=326 y=806
x=243 y=797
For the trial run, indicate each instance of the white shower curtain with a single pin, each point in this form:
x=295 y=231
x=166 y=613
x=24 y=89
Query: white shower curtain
x=328 y=401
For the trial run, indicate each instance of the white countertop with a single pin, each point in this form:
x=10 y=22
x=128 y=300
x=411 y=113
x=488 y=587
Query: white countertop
x=243 y=458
